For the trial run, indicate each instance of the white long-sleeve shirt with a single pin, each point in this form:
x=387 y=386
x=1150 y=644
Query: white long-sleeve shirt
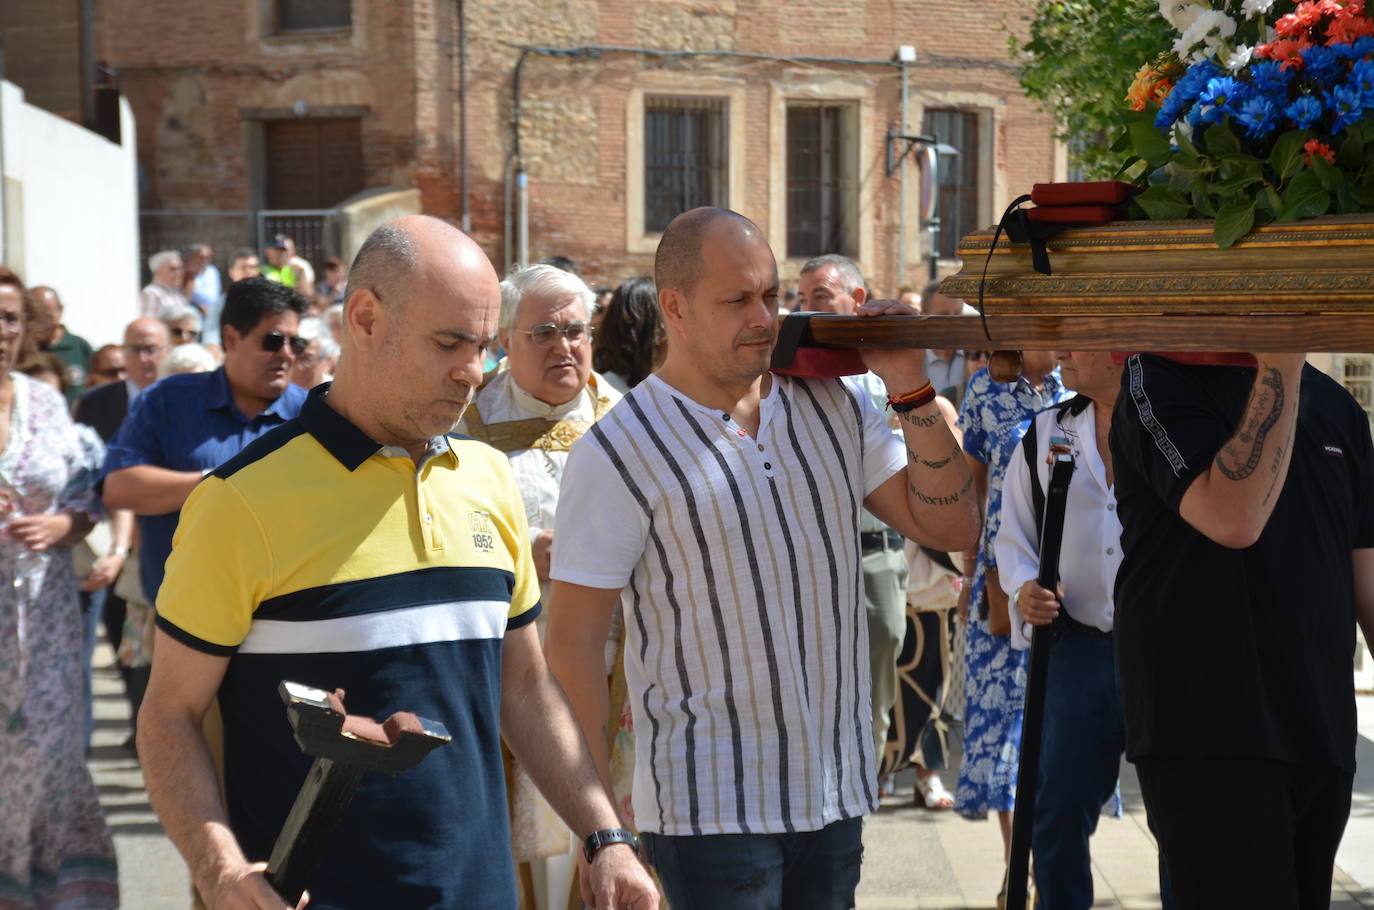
x=1091 y=551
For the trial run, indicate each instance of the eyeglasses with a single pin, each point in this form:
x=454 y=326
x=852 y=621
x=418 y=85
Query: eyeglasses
x=145 y=350
x=185 y=333
x=546 y=333
x=273 y=341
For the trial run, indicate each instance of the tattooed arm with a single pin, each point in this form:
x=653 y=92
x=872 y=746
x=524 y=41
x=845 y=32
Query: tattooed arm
x=1232 y=500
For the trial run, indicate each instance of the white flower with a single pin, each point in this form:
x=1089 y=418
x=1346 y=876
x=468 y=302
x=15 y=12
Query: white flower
x=1209 y=30
x=1181 y=13
x=1253 y=8
x=1238 y=58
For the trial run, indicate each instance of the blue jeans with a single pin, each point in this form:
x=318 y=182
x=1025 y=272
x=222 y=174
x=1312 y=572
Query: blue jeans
x=1080 y=759
x=811 y=870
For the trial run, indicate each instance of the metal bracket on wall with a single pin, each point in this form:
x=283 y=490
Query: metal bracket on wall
x=912 y=142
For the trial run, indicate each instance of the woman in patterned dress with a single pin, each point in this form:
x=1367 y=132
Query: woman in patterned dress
x=994 y=417
x=55 y=850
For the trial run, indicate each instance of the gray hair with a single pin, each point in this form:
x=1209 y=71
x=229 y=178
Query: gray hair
x=541 y=281
x=187 y=358
x=313 y=328
x=848 y=272
x=176 y=312
x=161 y=258
x=384 y=263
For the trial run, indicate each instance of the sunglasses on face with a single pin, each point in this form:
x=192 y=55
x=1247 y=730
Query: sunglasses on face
x=546 y=333
x=273 y=341
x=183 y=333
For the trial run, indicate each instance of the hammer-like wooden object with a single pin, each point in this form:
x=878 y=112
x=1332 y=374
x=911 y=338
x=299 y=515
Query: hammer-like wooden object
x=344 y=747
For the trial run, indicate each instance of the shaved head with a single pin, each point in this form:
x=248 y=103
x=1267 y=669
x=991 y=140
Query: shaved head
x=678 y=262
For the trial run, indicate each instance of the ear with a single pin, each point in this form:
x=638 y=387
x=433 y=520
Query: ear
x=504 y=337
x=860 y=294
x=229 y=337
x=673 y=303
x=361 y=315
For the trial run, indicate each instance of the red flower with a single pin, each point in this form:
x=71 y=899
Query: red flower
x=1313 y=147
x=1347 y=29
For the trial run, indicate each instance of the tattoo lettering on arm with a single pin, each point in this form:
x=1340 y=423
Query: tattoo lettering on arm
x=916 y=420
x=1238 y=460
x=942 y=500
x=927 y=463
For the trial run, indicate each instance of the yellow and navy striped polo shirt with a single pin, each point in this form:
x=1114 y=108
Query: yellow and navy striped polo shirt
x=318 y=556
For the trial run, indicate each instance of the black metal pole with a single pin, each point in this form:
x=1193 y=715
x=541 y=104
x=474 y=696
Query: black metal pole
x=1032 y=721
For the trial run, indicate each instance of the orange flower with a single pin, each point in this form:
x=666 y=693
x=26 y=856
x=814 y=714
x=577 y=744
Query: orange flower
x=1142 y=89
x=1313 y=147
x=1347 y=29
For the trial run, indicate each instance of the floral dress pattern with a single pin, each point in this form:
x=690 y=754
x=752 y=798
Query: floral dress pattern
x=55 y=849
x=994 y=417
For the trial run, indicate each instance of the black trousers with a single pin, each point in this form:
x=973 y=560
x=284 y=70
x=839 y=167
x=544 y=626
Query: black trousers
x=1247 y=833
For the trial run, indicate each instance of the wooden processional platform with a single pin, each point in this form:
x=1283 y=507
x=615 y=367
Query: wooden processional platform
x=1307 y=286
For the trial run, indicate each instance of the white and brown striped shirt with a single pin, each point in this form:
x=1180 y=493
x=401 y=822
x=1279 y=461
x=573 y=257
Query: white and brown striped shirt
x=739 y=569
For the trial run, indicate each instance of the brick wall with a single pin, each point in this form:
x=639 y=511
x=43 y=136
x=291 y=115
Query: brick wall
x=192 y=73
x=42 y=53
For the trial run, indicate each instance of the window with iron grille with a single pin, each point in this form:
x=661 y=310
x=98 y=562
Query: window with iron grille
x=686 y=157
x=313 y=15
x=959 y=192
x=822 y=180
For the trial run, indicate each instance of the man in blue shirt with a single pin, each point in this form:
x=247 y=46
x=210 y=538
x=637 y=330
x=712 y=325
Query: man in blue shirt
x=186 y=425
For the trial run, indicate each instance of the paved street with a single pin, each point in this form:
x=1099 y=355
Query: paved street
x=914 y=859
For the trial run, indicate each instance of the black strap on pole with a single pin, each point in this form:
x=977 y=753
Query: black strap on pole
x=1023 y=821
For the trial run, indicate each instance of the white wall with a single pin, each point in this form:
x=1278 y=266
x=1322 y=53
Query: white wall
x=71 y=214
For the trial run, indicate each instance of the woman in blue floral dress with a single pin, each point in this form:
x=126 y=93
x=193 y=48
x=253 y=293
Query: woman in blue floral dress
x=994 y=416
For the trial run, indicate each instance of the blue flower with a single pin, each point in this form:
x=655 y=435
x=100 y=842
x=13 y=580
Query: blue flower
x=1195 y=115
x=1269 y=77
x=1346 y=104
x=1304 y=112
x=1185 y=93
x=1259 y=116
x=1320 y=63
x=1362 y=81
x=1225 y=94
x=1360 y=47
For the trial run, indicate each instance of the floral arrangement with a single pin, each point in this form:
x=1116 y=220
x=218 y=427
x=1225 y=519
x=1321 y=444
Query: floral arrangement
x=1262 y=111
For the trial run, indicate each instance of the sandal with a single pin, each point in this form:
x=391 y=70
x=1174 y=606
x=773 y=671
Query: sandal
x=931 y=793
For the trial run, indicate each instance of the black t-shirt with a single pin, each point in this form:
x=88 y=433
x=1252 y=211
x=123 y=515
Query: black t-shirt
x=1225 y=652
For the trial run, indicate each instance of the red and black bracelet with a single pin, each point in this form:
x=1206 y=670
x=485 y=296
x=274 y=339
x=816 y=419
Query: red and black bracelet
x=910 y=401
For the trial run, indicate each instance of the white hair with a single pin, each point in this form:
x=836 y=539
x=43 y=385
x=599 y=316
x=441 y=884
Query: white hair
x=176 y=312
x=161 y=258
x=187 y=358
x=541 y=281
x=313 y=328
x=848 y=272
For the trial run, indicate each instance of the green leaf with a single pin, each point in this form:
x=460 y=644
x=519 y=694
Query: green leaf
x=1327 y=175
x=1183 y=177
x=1234 y=221
x=1150 y=143
x=1203 y=204
x=1347 y=202
x=1163 y=203
x=1220 y=140
x=1286 y=158
x=1304 y=198
x=1122 y=143
x=1185 y=146
x=1351 y=156
x=1233 y=185
x=1270 y=201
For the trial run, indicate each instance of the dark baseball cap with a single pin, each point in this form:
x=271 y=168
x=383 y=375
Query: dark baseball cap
x=277 y=242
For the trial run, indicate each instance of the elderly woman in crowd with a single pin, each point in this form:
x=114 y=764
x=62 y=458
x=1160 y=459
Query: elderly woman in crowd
x=183 y=323
x=631 y=341
x=316 y=363
x=55 y=849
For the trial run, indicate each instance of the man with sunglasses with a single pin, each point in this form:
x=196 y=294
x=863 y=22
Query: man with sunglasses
x=533 y=412
x=184 y=426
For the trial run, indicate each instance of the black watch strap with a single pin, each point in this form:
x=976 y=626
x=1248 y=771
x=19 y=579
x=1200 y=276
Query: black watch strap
x=607 y=836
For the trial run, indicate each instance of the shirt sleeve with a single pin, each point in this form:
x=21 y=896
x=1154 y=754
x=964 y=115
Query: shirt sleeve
x=970 y=417
x=524 y=602
x=1017 y=544
x=219 y=571
x=600 y=529
x=1364 y=491
x=884 y=449
x=1164 y=428
x=139 y=440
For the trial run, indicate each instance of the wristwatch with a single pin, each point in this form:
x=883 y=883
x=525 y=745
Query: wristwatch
x=607 y=836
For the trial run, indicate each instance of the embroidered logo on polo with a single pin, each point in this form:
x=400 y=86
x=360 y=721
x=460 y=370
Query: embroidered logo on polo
x=483 y=531
x=1334 y=450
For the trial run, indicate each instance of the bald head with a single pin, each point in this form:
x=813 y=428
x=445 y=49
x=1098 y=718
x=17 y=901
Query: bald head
x=678 y=262
x=143 y=328
x=415 y=248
